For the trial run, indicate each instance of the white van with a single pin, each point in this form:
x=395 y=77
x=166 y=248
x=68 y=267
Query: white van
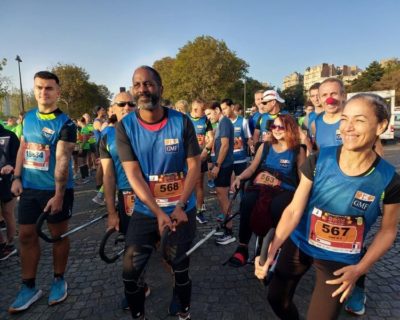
x=389 y=96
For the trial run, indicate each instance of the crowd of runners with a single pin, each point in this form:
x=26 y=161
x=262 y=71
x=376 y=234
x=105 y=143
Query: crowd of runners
x=320 y=180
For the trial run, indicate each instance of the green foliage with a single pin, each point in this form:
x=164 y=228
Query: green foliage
x=237 y=90
x=294 y=96
x=4 y=81
x=366 y=80
x=204 y=68
x=78 y=94
x=390 y=81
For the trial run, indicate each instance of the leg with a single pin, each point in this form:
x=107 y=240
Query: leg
x=292 y=265
x=29 y=250
x=60 y=248
x=7 y=209
x=322 y=305
x=135 y=260
x=279 y=202
x=246 y=206
x=199 y=187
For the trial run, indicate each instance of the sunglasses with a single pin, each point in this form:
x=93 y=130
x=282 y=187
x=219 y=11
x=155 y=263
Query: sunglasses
x=276 y=127
x=124 y=103
x=265 y=103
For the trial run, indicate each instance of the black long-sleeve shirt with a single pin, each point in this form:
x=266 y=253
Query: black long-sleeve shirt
x=9 y=145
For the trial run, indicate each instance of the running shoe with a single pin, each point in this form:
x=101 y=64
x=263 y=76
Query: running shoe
x=219 y=232
x=210 y=184
x=220 y=217
x=99 y=199
x=203 y=207
x=226 y=238
x=212 y=191
x=355 y=304
x=25 y=298
x=58 y=291
x=185 y=316
x=7 y=251
x=200 y=217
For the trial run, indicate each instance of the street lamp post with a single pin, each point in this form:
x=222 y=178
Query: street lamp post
x=18 y=58
x=244 y=94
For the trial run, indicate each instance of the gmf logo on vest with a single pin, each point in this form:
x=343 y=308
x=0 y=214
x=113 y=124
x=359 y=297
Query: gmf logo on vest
x=362 y=200
x=171 y=145
x=47 y=132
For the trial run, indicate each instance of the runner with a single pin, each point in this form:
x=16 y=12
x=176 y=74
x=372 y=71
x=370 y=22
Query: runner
x=253 y=119
x=275 y=177
x=222 y=166
x=242 y=137
x=343 y=190
x=83 y=150
x=160 y=155
x=43 y=180
x=182 y=106
x=9 y=145
x=205 y=138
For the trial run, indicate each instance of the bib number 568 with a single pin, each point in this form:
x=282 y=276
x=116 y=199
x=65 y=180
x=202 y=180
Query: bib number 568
x=169 y=187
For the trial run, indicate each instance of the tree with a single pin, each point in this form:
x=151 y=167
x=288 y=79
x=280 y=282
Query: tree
x=204 y=68
x=366 y=80
x=390 y=81
x=4 y=81
x=237 y=91
x=294 y=96
x=77 y=93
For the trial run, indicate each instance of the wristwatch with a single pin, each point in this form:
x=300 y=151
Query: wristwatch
x=182 y=205
x=16 y=178
x=216 y=164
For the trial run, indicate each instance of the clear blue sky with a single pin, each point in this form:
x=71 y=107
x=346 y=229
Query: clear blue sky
x=110 y=38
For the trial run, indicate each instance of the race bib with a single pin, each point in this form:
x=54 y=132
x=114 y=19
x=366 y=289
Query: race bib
x=36 y=156
x=267 y=179
x=129 y=202
x=237 y=144
x=167 y=188
x=343 y=234
x=201 y=140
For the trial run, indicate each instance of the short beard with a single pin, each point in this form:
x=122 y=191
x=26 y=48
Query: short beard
x=152 y=105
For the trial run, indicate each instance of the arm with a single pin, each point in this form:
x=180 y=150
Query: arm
x=290 y=218
x=109 y=183
x=97 y=124
x=223 y=151
x=304 y=140
x=383 y=240
x=11 y=156
x=256 y=136
x=301 y=157
x=63 y=156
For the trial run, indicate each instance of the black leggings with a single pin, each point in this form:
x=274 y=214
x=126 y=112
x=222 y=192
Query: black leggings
x=249 y=199
x=135 y=261
x=291 y=266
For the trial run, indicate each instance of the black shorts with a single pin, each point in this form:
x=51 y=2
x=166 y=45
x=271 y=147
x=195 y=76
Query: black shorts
x=93 y=148
x=33 y=201
x=223 y=179
x=126 y=205
x=238 y=168
x=83 y=154
x=143 y=230
x=5 y=188
x=204 y=166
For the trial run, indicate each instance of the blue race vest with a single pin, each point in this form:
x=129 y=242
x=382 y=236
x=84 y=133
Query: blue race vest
x=240 y=141
x=162 y=159
x=122 y=180
x=41 y=133
x=200 y=126
x=341 y=209
x=283 y=168
x=327 y=135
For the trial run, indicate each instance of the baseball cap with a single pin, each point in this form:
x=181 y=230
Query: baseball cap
x=272 y=95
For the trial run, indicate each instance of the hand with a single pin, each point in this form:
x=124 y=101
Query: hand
x=113 y=221
x=235 y=184
x=261 y=271
x=7 y=169
x=54 y=205
x=163 y=222
x=347 y=277
x=178 y=217
x=16 y=187
x=252 y=150
x=214 y=172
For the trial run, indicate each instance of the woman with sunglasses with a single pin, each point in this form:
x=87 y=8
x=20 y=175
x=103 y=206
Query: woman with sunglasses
x=274 y=177
x=342 y=192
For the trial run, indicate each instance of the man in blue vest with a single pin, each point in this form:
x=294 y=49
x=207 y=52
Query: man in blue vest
x=43 y=180
x=160 y=154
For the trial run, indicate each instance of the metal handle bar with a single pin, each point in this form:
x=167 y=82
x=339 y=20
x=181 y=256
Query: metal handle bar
x=103 y=242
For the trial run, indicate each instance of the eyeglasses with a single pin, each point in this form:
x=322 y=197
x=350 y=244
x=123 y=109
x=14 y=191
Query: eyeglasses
x=124 y=103
x=264 y=103
x=276 y=127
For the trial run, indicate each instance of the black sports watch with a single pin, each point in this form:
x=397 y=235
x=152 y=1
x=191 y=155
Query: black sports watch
x=216 y=164
x=16 y=178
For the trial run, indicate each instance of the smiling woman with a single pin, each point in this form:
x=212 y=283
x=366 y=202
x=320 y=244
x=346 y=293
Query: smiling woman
x=342 y=192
